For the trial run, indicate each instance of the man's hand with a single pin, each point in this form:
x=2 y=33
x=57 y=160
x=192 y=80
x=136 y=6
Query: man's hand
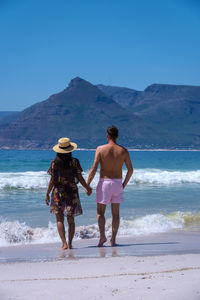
x=129 y=167
x=47 y=199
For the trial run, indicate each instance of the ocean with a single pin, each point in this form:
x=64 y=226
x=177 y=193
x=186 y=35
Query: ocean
x=162 y=196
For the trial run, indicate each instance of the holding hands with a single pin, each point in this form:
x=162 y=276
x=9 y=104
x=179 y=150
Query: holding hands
x=87 y=187
x=88 y=190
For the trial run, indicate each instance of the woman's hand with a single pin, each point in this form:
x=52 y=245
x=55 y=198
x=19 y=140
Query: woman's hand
x=50 y=186
x=47 y=199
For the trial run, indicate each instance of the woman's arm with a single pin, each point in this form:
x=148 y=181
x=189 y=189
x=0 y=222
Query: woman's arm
x=84 y=184
x=50 y=186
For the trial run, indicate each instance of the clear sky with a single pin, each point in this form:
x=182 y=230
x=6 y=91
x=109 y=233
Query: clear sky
x=46 y=43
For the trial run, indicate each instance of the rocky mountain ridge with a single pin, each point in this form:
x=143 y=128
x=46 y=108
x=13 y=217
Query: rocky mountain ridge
x=161 y=116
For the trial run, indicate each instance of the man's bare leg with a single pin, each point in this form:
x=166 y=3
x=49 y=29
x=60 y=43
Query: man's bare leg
x=61 y=230
x=115 y=222
x=71 y=230
x=101 y=208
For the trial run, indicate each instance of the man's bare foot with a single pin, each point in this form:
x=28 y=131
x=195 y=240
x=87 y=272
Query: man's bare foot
x=65 y=247
x=112 y=243
x=102 y=241
x=69 y=246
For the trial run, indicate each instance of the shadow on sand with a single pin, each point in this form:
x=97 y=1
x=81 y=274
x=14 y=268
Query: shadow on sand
x=130 y=245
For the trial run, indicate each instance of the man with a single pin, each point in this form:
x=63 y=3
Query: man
x=111 y=158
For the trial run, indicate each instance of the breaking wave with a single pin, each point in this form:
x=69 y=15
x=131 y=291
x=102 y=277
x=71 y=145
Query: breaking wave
x=24 y=180
x=12 y=233
x=39 y=180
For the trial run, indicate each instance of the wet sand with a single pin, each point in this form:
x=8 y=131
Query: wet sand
x=178 y=242
x=160 y=266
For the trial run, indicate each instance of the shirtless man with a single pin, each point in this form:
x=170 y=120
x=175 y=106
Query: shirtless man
x=111 y=158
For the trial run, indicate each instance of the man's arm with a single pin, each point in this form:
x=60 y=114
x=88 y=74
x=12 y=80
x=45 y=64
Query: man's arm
x=94 y=167
x=129 y=167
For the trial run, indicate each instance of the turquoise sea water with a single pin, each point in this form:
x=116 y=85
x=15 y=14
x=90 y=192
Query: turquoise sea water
x=162 y=195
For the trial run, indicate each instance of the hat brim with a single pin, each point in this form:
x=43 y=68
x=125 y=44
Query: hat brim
x=69 y=149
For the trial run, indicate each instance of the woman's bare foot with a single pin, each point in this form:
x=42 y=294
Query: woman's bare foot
x=65 y=247
x=102 y=241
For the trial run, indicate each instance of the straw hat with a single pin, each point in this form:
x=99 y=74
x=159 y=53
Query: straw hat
x=64 y=146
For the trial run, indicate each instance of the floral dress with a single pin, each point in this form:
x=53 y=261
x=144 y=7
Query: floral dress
x=64 y=197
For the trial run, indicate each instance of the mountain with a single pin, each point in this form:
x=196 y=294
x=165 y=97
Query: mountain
x=6 y=113
x=122 y=95
x=173 y=108
x=8 y=116
x=161 y=116
x=82 y=112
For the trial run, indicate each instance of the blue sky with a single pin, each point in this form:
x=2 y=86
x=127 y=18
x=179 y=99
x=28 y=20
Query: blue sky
x=44 y=44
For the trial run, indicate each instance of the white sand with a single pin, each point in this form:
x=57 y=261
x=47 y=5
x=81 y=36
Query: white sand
x=157 y=267
x=174 y=277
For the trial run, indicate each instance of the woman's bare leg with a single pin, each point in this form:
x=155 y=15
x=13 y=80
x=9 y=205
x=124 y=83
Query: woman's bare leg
x=71 y=230
x=61 y=230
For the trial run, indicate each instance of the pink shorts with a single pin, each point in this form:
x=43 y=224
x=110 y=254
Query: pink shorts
x=109 y=191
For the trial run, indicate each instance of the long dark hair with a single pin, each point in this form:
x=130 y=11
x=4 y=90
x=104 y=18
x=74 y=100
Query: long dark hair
x=63 y=160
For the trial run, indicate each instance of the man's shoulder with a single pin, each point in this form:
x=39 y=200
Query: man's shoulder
x=122 y=148
x=101 y=147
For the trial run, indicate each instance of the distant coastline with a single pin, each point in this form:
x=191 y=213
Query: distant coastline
x=94 y=149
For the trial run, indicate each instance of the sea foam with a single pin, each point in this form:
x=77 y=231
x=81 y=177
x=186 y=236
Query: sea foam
x=23 y=180
x=39 y=180
x=13 y=233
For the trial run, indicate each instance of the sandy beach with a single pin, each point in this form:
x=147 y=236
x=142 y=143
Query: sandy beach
x=160 y=266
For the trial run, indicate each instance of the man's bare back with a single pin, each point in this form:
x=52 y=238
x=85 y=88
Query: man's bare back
x=111 y=159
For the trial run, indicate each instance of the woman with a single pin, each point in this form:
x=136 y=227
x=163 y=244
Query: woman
x=65 y=172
